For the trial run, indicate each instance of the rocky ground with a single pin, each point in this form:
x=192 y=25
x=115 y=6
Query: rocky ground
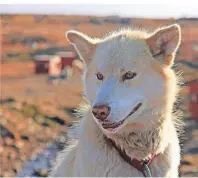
x=25 y=133
x=33 y=116
x=189 y=163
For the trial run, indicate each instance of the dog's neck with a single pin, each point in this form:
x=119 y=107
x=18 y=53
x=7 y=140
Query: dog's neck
x=140 y=142
x=137 y=143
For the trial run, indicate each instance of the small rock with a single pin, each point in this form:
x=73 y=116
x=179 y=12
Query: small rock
x=9 y=173
x=1 y=149
x=19 y=144
x=43 y=172
x=184 y=162
x=17 y=165
x=9 y=141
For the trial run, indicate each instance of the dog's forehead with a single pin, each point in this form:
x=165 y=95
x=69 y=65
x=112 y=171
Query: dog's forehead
x=121 y=52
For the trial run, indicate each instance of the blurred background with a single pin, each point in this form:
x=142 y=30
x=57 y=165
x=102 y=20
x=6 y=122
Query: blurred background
x=41 y=76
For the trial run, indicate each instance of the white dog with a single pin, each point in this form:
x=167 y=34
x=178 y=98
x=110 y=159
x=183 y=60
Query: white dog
x=127 y=128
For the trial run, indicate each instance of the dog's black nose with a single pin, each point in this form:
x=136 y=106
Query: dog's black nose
x=101 y=111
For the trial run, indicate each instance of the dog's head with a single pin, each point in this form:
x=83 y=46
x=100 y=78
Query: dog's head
x=128 y=75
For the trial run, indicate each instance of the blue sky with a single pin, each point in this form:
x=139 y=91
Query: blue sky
x=132 y=10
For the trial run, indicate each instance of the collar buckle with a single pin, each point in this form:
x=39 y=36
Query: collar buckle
x=146 y=170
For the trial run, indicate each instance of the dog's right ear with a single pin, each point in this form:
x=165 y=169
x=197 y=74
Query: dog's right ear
x=83 y=44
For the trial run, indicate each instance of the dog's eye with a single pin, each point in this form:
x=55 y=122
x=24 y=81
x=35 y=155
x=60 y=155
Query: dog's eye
x=99 y=76
x=128 y=75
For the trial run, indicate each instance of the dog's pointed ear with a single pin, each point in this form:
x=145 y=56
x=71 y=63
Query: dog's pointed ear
x=83 y=44
x=164 y=43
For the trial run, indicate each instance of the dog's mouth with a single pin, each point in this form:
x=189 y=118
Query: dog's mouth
x=113 y=125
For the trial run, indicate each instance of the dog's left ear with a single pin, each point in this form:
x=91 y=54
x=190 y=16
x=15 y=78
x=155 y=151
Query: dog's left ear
x=83 y=44
x=163 y=44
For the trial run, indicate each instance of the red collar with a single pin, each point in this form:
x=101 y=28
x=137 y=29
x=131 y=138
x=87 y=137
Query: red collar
x=139 y=165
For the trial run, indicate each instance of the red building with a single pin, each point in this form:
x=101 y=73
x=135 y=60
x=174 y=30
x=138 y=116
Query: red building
x=194 y=99
x=67 y=58
x=53 y=64
x=42 y=64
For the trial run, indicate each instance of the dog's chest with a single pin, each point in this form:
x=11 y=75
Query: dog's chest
x=102 y=161
x=96 y=160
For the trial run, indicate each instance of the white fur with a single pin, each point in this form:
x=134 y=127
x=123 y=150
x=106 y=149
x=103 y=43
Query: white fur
x=150 y=129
